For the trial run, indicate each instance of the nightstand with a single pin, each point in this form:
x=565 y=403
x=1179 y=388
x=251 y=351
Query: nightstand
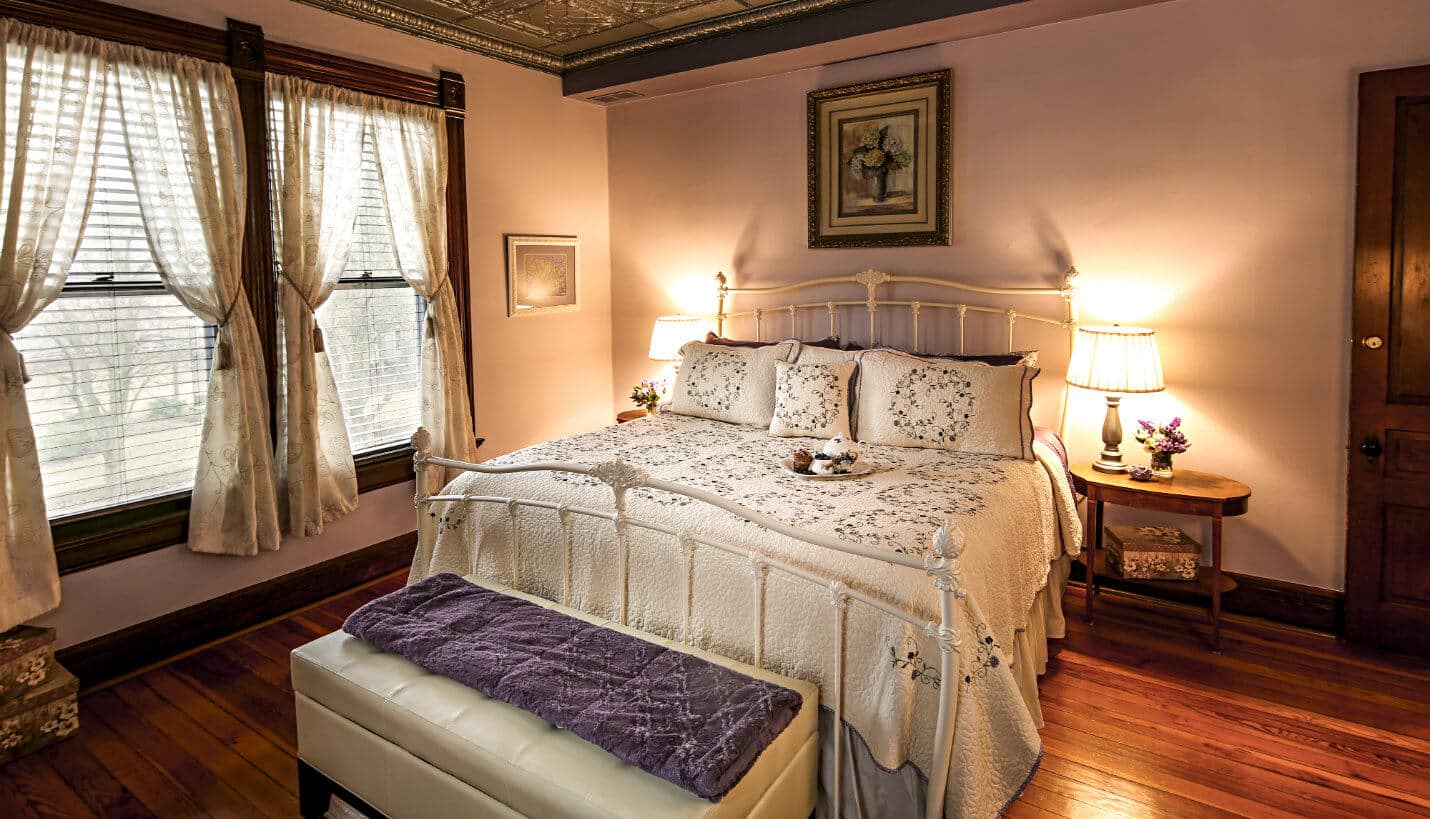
x=630 y=415
x=1186 y=493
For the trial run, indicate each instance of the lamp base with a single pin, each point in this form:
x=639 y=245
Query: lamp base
x=1111 y=460
x=1105 y=465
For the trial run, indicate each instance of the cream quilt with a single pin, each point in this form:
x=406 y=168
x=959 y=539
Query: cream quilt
x=1016 y=517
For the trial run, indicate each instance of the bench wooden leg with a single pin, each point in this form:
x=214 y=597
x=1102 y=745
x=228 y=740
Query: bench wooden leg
x=315 y=792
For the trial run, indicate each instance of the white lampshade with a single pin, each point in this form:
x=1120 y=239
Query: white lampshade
x=673 y=332
x=1116 y=359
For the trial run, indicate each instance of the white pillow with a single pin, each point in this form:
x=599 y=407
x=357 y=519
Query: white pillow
x=953 y=405
x=811 y=400
x=734 y=384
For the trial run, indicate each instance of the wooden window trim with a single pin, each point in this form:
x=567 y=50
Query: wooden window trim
x=95 y=538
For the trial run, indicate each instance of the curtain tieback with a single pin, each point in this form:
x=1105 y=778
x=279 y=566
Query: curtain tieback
x=223 y=349
x=20 y=368
x=446 y=281
x=318 y=345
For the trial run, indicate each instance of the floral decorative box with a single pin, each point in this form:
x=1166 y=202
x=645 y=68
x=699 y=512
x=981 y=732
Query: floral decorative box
x=27 y=654
x=39 y=717
x=1153 y=552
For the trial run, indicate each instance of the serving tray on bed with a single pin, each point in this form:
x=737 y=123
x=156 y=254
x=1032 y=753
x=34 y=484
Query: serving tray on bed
x=860 y=469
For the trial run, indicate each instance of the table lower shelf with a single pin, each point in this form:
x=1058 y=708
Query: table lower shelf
x=1197 y=592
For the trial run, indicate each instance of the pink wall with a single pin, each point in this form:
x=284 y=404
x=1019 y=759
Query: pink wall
x=536 y=164
x=1194 y=159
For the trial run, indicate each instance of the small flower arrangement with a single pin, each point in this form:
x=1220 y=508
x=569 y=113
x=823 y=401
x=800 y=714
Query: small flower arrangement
x=878 y=151
x=647 y=394
x=1162 y=442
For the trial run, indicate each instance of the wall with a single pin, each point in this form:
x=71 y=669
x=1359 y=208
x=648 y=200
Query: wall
x=536 y=164
x=1194 y=159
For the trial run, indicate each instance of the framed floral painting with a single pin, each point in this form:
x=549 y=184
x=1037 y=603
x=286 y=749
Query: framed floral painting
x=879 y=163
x=541 y=274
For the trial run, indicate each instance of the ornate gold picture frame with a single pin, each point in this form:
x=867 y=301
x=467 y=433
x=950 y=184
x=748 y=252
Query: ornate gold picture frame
x=879 y=156
x=541 y=274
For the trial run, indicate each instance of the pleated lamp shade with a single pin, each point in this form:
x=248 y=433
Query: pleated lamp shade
x=670 y=333
x=1116 y=359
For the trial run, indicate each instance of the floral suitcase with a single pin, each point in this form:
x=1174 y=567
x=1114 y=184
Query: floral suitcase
x=27 y=654
x=40 y=716
x=1153 y=552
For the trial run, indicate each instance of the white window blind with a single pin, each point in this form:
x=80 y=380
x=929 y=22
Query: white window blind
x=372 y=322
x=119 y=367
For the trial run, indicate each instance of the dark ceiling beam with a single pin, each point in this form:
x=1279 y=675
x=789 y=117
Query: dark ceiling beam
x=806 y=30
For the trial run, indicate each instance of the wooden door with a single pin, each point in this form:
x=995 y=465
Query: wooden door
x=1388 y=537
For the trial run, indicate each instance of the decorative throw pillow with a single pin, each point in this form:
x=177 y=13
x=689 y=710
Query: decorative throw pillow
x=811 y=400
x=734 y=384
x=953 y=405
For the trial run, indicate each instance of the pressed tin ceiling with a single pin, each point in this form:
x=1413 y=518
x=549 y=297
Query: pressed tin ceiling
x=562 y=35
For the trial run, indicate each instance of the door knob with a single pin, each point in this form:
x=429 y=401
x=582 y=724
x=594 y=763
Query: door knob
x=1370 y=447
x=1372 y=342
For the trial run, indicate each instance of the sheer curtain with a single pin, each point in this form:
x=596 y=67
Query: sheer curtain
x=185 y=140
x=411 y=146
x=54 y=87
x=318 y=134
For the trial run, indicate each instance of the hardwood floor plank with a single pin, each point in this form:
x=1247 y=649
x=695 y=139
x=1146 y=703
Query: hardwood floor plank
x=185 y=732
x=92 y=782
x=272 y=760
x=1312 y=743
x=148 y=783
x=234 y=687
x=12 y=802
x=47 y=793
x=193 y=775
x=1150 y=801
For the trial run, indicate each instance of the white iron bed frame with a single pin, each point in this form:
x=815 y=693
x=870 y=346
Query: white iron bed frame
x=621 y=477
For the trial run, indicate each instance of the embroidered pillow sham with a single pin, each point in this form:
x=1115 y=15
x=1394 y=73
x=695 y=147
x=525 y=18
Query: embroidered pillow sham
x=954 y=405
x=733 y=384
x=811 y=400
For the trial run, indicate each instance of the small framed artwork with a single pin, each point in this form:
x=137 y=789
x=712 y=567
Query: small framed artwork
x=541 y=274
x=879 y=163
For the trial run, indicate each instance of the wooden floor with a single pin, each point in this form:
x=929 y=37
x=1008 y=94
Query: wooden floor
x=1141 y=721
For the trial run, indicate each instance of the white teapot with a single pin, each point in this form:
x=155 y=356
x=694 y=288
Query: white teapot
x=840 y=448
x=837 y=458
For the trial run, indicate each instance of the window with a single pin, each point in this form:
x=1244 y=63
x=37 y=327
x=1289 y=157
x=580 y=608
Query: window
x=119 y=366
x=372 y=321
x=372 y=325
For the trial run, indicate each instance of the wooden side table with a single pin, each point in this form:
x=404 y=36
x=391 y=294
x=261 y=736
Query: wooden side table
x=630 y=415
x=1186 y=493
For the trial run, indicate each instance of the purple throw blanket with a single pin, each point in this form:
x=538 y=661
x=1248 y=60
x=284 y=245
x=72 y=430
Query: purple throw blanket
x=682 y=718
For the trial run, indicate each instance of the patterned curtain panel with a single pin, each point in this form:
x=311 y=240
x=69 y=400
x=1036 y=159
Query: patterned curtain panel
x=411 y=147
x=318 y=135
x=185 y=139
x=54 y=87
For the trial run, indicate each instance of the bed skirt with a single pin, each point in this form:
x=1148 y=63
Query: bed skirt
x=872 y=791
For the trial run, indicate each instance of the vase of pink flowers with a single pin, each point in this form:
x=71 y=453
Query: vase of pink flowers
x=1162 y=442
x=647 y=395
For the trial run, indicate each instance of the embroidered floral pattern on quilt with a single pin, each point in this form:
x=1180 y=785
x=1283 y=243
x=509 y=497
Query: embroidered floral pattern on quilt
x=910 y=659
x=933 y=405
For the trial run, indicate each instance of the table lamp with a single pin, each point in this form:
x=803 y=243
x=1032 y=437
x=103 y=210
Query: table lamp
x=1115 y=360
x=673 y=332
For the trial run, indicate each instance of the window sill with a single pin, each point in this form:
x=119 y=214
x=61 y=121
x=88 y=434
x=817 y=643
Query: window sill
x=95 y=538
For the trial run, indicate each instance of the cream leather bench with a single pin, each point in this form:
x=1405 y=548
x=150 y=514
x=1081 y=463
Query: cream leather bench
x=394 y=739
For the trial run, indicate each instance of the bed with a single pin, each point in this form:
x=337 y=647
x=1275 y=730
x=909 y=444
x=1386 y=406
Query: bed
x=919 y=598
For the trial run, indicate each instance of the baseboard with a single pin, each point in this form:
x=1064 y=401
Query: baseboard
x=129 y=649
x=1277 y=600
